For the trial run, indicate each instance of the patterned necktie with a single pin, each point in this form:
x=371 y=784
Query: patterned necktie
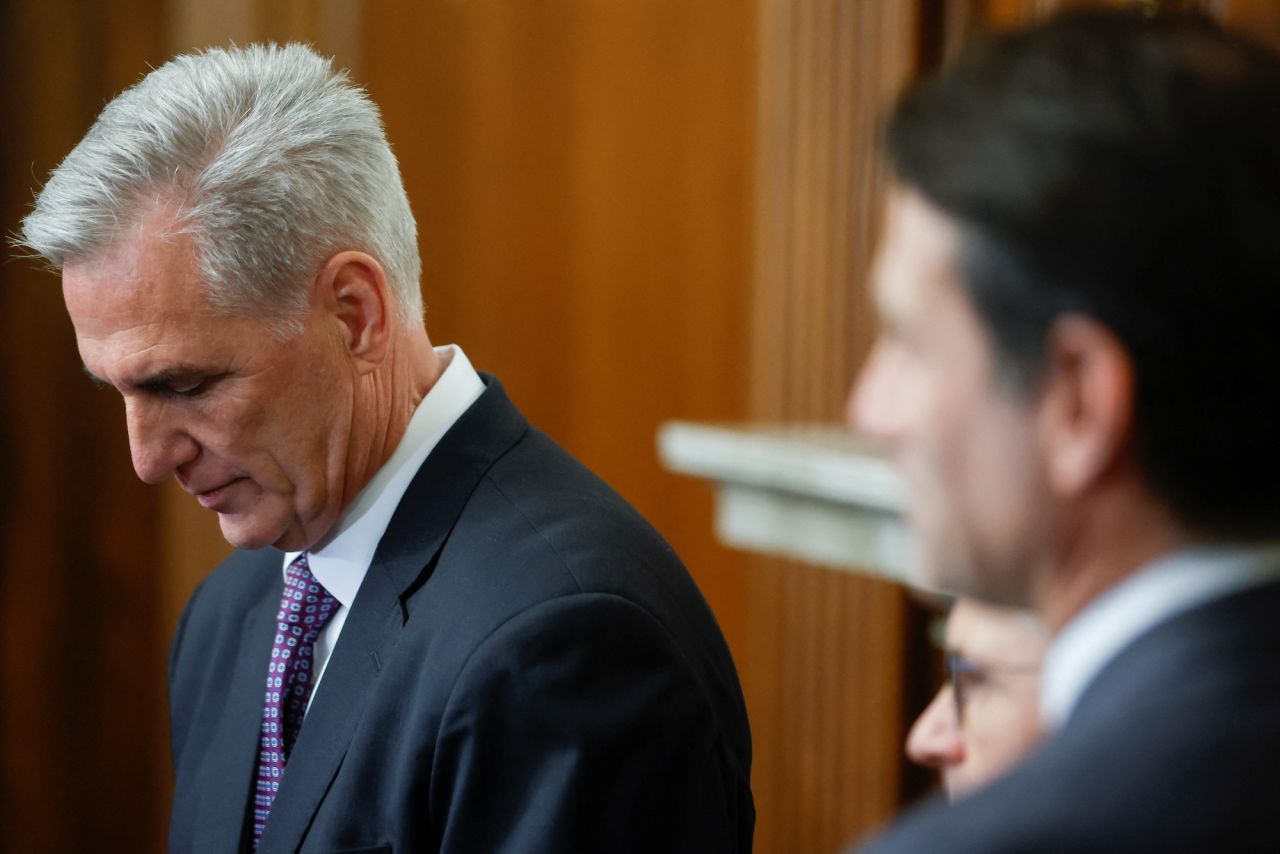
x=304 y=609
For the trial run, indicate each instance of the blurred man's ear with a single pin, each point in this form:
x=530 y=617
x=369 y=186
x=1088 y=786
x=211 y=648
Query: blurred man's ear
x=1086 y=404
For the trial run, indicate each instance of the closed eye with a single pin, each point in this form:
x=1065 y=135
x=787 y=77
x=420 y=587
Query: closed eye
x=187 y=388
x=181 y=386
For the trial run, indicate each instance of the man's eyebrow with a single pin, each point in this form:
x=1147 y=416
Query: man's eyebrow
x=158 y=380
x=161 y=380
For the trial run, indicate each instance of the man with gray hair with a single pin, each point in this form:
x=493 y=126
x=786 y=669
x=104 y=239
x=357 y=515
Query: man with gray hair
x=438 y=632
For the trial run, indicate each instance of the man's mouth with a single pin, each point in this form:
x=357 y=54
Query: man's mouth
x=214 y=499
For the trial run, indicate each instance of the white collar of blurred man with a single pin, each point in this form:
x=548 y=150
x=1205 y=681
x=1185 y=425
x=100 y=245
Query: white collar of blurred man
x=1169 y=586
x=986 y=717
x=1008 y=685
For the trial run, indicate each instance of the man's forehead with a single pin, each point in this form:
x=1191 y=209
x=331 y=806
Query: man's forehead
x=139 y=308
x=143 y=272
x=988 y=632
x=917 y=255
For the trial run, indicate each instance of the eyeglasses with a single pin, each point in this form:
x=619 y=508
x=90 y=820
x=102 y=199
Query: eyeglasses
x=965 y=675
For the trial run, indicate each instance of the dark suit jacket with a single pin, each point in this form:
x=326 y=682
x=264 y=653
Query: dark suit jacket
x=527 y=667
x=1175 y=747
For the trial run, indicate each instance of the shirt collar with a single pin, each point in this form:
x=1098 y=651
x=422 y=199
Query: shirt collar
x=340 y=564
x=1162 y=589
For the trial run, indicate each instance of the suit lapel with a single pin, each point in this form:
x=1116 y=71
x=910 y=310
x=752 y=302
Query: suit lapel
x=231 y=771
x=418 y=529
x=435 y=498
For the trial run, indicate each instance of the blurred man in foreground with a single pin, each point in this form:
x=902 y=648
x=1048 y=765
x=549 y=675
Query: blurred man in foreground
x=1079 y=284
x=440 y=632
x=987 y=716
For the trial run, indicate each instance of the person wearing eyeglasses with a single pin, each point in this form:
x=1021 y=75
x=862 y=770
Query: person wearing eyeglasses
x=986 y=717
x=1078 y=283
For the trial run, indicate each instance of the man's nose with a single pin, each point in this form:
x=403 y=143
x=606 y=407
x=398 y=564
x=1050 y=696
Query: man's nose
x=157 y=441
x=875 y=401
x=935 y=739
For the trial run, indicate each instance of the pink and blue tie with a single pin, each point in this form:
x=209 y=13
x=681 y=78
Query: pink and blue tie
x=304 y=609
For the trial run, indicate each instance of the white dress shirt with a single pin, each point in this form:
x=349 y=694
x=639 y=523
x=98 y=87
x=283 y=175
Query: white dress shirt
x=340 y=564
x=1169 y=586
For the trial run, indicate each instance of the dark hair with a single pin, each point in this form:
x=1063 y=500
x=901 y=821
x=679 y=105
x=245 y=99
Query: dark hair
x=1126 y=168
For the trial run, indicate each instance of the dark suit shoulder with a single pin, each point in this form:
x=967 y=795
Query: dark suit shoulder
x=579 y=704
x=599 y=539
x=546 y=482
x=566 y=523
x=540 y=527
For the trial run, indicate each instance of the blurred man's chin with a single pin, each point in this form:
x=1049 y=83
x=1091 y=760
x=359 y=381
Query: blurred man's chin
x=977 y=580
x=924 y=577
x=931 y=571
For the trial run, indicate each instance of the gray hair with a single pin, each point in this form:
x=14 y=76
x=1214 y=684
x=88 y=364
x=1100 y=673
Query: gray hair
x=274 y=161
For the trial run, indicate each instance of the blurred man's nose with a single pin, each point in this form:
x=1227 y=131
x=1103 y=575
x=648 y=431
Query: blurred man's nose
x=156 y=441
x=874 y=403
x=935 y=739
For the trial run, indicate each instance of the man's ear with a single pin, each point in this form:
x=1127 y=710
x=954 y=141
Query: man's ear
x=1086 y=412
x=353 y=289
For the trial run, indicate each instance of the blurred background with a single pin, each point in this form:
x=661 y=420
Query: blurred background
x=630 y=211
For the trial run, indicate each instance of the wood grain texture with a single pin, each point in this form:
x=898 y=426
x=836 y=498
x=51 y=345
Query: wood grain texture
x=1258 y=18
x=83 y=735
x=824 y=670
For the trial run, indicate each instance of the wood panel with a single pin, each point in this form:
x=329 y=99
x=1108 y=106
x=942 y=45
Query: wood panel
x=824 y=666
x=83 y=735
x=1258 y=18
x=827 y=71
x=961 y=18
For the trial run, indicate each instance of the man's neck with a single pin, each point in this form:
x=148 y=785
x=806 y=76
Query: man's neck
x=385 y=402
x=1112 y=539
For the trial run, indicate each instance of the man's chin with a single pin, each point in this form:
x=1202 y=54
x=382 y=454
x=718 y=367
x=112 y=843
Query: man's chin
x=929 y=571
x=957 y=578
x=247 y=534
